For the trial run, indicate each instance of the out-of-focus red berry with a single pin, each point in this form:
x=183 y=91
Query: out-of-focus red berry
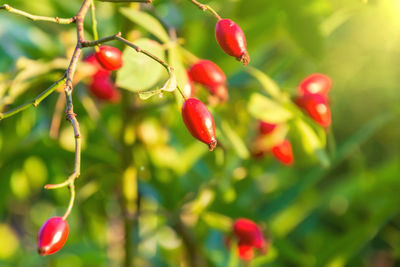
x=109 y=57
x=246 y=251
x=316 y=84
x=208 y=74
x=266 y=128
x=232 y=40
x=283 y=152
x=317 y=107
x=103 y=88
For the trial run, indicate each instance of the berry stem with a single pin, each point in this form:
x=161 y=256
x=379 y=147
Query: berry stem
x=206 y=7
x=182 y=94
x=35 y=17
x=71 y=201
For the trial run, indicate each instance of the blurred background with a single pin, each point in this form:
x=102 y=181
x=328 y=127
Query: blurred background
x=342 y=213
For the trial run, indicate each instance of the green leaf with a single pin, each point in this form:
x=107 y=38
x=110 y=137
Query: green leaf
x=265 y=109
x=268 y=84
x=217 y=221
x=235 y=140
x=146 y=21
x=140 y=72
x=311 y=144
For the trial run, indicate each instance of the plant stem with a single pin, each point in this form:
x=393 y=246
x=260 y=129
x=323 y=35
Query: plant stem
x=34 y=102
x=206 y=7
x=94 y=23
x=37 y=18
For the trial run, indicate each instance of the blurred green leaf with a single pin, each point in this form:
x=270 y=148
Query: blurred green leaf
x=269 y=85
x=265 y=109
x=139 y=71
x=148 y=22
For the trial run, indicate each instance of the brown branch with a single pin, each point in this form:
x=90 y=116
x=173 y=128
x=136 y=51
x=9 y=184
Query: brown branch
x=37 y=18
x=206 y=7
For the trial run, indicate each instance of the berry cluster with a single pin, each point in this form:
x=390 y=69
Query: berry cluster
x=249 y=237
x=313 y=98
x=105 y=60
x=196 y=116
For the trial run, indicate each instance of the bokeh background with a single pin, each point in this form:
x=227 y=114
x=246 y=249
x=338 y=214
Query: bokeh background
x=344 y=214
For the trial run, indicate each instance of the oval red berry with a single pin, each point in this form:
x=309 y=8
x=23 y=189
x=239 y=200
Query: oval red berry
x=208 y=74
x=109 y=57
x=283 y=152
x=317 y=107
x=103 y=87
x=199 y=122
x=52 y=236
x=316 y=84
x=232 y=40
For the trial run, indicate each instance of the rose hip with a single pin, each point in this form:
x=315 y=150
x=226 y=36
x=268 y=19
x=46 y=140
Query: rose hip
x=52 y=236
x=103 y=88
x=232 y=40
x=283 y=152
x=208 y=74
x=266 y=128
x=317 y=107
x=316 y=84
x=199 y=122
x=109 y=57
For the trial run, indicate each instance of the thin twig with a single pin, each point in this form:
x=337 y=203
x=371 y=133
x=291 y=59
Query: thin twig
x=34 y=102
x=71 y=201
x=206 y=7
x=37 y=18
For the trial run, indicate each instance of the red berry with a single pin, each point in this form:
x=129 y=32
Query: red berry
x=266 y=128
x=245 y=251
x=52 y=236
x=247 y=231
x=283 y=152
x=231 y=39
x=92 y=60
x=199 y=122
x=316 y=84
x=103 y=87
x=109 y=57
x=208 y=74
x=317 y=107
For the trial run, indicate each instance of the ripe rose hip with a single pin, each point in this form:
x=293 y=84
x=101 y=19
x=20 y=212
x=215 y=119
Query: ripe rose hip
x=316 y=84
x=231 y=39
x=266 y=128
x=103 y=88
x=52 y=236
x=109 y=57
x=246 y=251
x=199 y=122
x=283 y=152
x=317 y=107
x=249 y=236
x=208 y=74
x=92 y=60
